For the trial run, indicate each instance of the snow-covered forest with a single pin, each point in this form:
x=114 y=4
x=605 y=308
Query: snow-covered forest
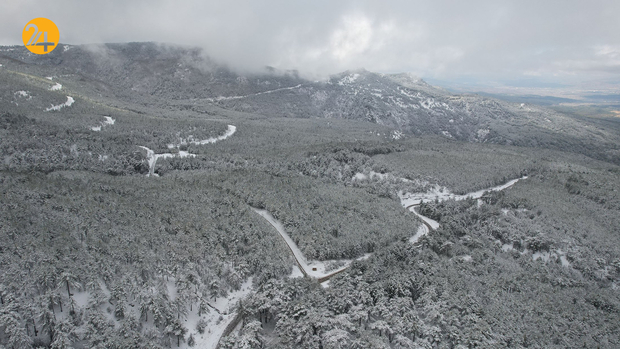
x=103 y=247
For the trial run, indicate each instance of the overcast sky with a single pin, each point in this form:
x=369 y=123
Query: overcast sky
x=554 y=41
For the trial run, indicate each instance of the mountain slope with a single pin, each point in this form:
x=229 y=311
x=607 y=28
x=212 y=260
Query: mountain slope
x=173 y=77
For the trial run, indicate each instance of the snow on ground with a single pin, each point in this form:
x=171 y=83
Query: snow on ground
x=359 y=177
x=321 y=266
x=68 y=103
x=291 y=244
x=544 y=256
x=438 y=193
x=108 y=121
x=441 y=194
x=318 y=269
x=349 y=79
x=215 y=327
x=56 y=87
x=105 y=305
x=314 y=269
x=81 y=298
x=171 y=288
x=22 y=94
x=435 y=192
x=422 y=230
x=433 y=223
x=296 y=273
x=49 y=77
x=447 y=134
x=222 y=98
x=378 y=176
x=396 y=135
x=190 y=140
x=152 y=157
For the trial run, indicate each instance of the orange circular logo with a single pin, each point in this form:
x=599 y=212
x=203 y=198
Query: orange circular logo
x=40 y=36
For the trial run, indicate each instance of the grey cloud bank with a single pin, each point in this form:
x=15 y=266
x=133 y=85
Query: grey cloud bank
x=561 y=41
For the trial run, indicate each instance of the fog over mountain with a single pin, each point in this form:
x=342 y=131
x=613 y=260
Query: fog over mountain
x=568 y=42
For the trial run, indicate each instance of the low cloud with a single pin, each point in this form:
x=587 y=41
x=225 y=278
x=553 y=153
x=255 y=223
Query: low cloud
x=442 y=39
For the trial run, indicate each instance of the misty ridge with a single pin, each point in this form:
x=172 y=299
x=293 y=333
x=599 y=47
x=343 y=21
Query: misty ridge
x=154 y=197
x=187 y=77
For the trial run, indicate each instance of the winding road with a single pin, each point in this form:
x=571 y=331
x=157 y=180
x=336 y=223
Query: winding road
x=152 y=157
x=409 y=202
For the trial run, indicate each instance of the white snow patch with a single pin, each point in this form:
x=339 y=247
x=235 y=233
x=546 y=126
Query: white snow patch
x=108 y=121
x=49 y=77
x=348 y=79
x=68 y=103
x=56 y=87
x=23 y=94
x=466 y=258
x=222 y=98
x=171 y=288
x=81 y=298
x=429 y=103
x=152 y=157
x=372 y=175
x=359 y=177
x=563 y=260
x=541 y=255
x=215 y=327
x=397 y=135
x=190 y=140
x=482 y=133
x=296 y=273
x=507 y=247
x=447 y=134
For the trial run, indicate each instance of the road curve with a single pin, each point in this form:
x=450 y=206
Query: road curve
x=428 y=223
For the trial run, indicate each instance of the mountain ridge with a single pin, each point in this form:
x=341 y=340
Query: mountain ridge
x=173 y=76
